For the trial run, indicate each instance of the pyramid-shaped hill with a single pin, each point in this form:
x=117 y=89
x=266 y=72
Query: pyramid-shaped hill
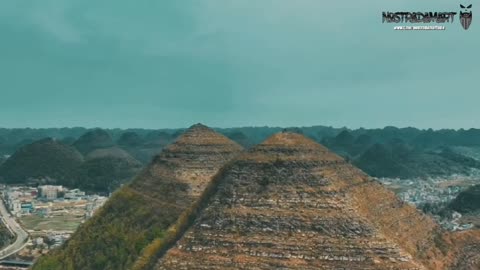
x=188 y=164
x=107 y=169
x=139 y=212
x=93 y=139
x=289 y=203
x=43 y=160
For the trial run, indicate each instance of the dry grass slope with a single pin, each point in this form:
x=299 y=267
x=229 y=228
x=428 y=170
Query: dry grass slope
x=291 y=204
x=138 y=216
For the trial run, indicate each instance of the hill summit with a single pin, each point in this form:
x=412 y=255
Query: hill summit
x=94 y=139
x=289 y=203
x=42 y=160
x=141 y=211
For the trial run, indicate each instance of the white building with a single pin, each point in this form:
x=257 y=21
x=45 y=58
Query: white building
x=74 y=194
x=49 y=192
x=15 y=206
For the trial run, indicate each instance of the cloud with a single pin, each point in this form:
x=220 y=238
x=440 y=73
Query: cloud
x=180 y=59
x=51 y=17
x=54 y=22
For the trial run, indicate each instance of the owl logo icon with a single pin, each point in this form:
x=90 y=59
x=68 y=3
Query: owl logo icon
x=466 y=16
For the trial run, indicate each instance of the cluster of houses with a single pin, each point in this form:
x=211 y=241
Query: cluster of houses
x=454 y=223
x=34 y=205
x=55 y=239
x=430 y=193
x=23 y=200
x=438 y=192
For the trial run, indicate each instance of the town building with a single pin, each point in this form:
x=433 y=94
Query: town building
x=49 y=192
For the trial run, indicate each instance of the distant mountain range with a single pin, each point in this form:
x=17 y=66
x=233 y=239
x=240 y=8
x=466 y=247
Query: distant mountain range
x=103 y=159
x=92 y=140
x=102 y=168
x=12 y=139
x=398 y=159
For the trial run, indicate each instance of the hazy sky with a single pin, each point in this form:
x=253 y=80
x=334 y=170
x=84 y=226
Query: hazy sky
x=229 y=63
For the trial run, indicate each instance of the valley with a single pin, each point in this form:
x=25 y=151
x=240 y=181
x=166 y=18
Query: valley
x=434 y=195
x=238 y=135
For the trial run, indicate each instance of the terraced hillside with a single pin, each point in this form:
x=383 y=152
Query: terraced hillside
x=289 y=203
x=140 y=212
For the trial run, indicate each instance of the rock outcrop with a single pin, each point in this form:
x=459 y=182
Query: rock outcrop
x=466 y=255
x=141 y=211
x=289 y=203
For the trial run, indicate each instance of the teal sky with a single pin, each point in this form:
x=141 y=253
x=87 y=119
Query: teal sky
x=226 y=63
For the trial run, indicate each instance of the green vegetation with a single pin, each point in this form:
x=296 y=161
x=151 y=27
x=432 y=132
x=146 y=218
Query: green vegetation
x=398 y=159
x=353 y=145
x=160 y=245
x=130 y=139
x=44 y=159
x=95 y=139
x=468 y=201
x=166 y=240
x=106 y=174
x=53 y=162
x=56 y=223
x=5 y=236
x=115 y=236
x=106 y=169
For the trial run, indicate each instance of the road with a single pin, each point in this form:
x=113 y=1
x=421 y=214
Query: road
x=21 y=235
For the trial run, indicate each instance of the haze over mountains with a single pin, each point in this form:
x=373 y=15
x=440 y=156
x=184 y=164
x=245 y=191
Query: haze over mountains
x=388 y=152
x=287 y=203
x=93 y=162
